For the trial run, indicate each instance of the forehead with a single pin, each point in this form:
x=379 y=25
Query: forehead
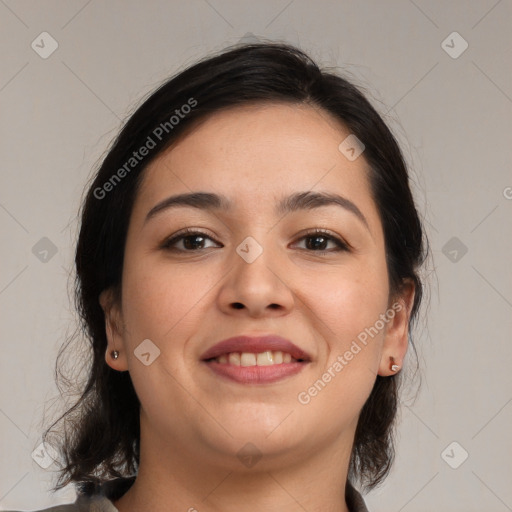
x=246 y=133
x=255 y=153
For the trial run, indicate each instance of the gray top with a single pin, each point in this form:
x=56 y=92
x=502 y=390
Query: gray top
x=102 y=497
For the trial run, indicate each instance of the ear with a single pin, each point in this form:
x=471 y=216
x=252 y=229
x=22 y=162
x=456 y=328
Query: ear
x=396 y=339
x=113 y=330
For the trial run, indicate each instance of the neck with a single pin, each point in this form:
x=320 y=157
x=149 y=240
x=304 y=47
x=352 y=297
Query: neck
x=170 y=479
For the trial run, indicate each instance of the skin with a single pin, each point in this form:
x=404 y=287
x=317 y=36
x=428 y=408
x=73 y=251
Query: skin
x=193 y=422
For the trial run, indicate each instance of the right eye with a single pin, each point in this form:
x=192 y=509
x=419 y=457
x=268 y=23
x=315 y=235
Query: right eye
x=193 y=241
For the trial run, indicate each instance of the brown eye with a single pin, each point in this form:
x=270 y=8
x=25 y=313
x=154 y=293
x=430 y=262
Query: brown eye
x=318 y=240
x=192 y=241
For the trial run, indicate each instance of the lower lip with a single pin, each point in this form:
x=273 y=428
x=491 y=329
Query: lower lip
x=256 y=374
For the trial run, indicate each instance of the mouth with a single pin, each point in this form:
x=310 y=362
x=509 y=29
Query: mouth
x=247 y=359
x=255 y=360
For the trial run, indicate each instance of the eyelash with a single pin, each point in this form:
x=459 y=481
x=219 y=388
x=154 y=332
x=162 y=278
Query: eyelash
x=190 y=233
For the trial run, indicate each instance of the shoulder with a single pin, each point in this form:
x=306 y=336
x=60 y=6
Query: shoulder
x=94 y=498
x=59 y=508
x=82 y=504
x=355 y=501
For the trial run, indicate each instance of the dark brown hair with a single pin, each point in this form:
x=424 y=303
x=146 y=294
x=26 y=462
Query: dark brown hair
x=100 y=436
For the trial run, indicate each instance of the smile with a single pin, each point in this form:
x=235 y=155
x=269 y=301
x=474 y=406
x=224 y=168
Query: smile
x=267 y=358
x=251 y=368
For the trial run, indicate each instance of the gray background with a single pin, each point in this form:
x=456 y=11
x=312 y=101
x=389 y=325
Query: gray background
x=451 y=115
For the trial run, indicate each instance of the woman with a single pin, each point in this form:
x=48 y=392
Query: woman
x=247 y=274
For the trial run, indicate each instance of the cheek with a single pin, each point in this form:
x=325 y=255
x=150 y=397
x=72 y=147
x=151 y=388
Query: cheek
x=346 y=298
x=345 y=309
x=158 y=297
x=161 y=302
x=346 y=304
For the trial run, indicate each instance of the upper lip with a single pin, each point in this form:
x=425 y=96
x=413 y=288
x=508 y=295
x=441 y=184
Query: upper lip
x=255 y=345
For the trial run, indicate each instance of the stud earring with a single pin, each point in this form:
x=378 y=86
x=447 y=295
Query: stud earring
x=114 y=353
x=394 y=367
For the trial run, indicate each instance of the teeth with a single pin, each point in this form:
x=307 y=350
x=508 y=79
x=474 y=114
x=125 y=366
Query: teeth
x=247 y=359
x=234 y=359
x=267 y=358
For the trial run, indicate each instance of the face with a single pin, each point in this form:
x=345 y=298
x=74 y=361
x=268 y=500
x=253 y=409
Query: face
x=322 y=291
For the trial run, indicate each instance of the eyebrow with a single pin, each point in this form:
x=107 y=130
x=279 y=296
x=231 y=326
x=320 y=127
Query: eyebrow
x=295 y=202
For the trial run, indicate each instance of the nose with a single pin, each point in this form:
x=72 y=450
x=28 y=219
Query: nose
x=256 y=289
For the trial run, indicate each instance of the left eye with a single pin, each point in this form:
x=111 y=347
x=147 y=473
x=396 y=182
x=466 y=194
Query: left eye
x=320 y=238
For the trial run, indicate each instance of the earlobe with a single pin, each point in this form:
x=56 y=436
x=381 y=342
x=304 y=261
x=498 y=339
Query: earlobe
x=396 y=340
x=114 y=355
x=394 y=367
x=114 y=359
